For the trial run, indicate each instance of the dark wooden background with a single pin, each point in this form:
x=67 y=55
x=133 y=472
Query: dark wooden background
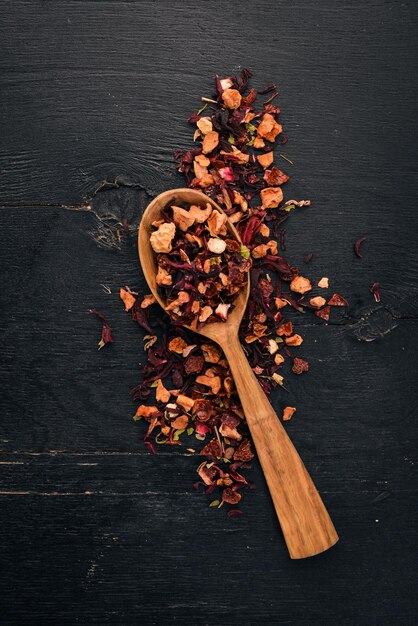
x=94 y=529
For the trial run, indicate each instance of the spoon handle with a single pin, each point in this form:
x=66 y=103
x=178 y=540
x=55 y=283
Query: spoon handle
x=306 y=525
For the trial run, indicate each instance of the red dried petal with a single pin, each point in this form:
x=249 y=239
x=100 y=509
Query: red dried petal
x=337 y=300
x=106 y=330
x=300 y=365
x=194 y=364
x=243 y=452
x=231 y=496
x=374 y=289
x=323 y=313
x=212 y=449
x=357 y=246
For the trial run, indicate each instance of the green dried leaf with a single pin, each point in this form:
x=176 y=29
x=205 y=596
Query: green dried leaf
x=155 y=383
x=289 y=208
x=214 y=503
x=177 y=434
x=279 y=340
x=231 y=139
x=251 y=128
x=190 y=430
x=245 y=252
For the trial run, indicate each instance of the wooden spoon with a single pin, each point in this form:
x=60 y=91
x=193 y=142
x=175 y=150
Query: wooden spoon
x=306 y=525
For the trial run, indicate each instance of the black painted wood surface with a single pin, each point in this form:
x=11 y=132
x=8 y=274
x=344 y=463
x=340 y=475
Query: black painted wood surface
x=94 y=529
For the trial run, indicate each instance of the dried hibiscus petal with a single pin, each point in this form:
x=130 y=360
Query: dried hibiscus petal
x=231 y=496
x=212 y=449
x=194 y=364
x=300 y=366
x=375 y=290
x=337 y=300
x=275 y=177
x=243 y=452
x=106 y=330
x=324 y=313
x=357 y=246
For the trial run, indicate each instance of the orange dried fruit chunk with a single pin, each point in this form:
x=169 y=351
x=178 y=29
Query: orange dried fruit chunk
x=294 y=340
x=266 y=159
x=216 y=223
x=162 y=394
x=146 y=411
x=271 y=197
x=180 y=423
x=185 y=402
x=280 y=303
x=317 y=302
x=127 y=298
x=163 y=277
x=177 y=345
x=269 y=128
x=204 y=124
x=232 y=98
x=214 y=382
x=182 y=218
x=285 y=329
x=300 y=284
x=161 y=238
x=210 y=141
x=288 y=412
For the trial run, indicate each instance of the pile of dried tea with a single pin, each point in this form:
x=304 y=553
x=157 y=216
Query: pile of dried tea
x=200 y=268
x=187 y=393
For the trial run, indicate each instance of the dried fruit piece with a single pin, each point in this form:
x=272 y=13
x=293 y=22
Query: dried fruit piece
x=163 y=278
x=317 y=302
x=182 y=218
x=185 y=402
x=271 y=197
x=210 y=141
x=217 y=246
x=269 y=128
x=204 y=125
x=300 y=366
x=288 y=412
x=294 y=340
x=243 y=453
x=337 y=300
x=265 y=159
x=161 y=238
x=127 y=298
x=146 y=411
x=231 y=98
x=177 y=344
x=275 y=177
x=300 y=284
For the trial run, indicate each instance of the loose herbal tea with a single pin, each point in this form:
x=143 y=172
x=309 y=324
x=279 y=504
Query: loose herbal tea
x=201 y=269
x=187 y=394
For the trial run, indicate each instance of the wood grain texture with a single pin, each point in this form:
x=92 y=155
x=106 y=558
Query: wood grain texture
x=99 y=90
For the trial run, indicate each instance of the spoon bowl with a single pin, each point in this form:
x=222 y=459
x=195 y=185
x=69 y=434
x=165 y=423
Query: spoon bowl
x=149 y=262
x=306 y=525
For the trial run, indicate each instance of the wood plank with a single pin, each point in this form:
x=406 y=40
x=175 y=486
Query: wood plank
x=94 y=529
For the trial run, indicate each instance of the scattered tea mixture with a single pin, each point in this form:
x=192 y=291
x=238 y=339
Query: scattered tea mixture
x=187 y=394
x=201 y=268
